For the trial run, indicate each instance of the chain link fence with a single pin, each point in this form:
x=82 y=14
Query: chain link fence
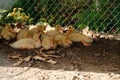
x=99 y=15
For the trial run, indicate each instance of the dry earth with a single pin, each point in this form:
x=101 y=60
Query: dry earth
x=100 y=61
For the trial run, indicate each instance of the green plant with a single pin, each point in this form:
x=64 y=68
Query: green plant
x=99 y=15
x=18 y=15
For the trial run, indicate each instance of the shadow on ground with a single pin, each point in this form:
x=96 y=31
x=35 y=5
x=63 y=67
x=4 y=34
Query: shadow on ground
x=103 y=56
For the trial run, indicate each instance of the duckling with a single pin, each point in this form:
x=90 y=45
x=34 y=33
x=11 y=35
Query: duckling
x=57 y=30
x=63 y=40
x=24 y=33
x=78 y=37
x=48 y=42
x=27 y=43
x=37 y=30
x=8 y=33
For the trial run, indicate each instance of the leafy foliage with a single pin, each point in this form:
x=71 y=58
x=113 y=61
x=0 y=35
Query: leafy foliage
x=99 y=15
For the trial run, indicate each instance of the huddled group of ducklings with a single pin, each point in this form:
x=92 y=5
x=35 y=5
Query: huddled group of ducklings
x=44 y=36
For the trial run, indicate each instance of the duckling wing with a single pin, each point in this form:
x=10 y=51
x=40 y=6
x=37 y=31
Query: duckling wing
x=46 y=42
x=23 y=44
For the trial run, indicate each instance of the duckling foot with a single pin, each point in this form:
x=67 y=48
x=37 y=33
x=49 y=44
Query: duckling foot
x=86 y=44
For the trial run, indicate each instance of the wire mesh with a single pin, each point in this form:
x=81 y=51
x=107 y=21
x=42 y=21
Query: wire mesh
x=99 y=15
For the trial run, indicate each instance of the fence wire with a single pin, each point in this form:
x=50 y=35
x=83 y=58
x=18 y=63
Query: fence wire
x=99 y=15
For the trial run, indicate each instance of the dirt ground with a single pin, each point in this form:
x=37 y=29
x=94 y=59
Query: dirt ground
x=100 y=61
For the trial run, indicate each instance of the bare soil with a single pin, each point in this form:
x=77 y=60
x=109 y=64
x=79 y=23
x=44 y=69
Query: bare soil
x=100 y=61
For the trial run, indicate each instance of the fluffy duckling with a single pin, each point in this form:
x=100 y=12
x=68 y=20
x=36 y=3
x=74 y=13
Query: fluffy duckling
x=37 y=30
x=57 y=30
x=24 y=33
x=48 y=42
x=63 y=40
x=8 y=32
x=27 y=43
x=78 y=37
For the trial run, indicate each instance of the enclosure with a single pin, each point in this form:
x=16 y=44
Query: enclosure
x=99 y=61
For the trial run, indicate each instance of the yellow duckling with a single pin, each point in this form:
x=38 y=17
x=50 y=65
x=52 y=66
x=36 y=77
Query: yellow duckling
x=54 y=31
x=8 y=32
x=24 y=33
x=63 y=40
x=37 y=30
x=27 y=43
x=48 y=42
x=78 y=37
